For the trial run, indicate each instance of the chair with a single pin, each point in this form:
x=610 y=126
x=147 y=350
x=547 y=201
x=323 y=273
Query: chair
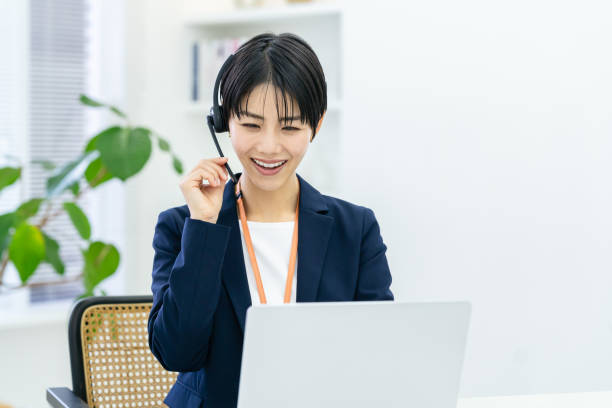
x=110 y=359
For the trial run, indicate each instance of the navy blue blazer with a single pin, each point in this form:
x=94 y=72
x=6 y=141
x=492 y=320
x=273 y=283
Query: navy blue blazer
x=201 y=292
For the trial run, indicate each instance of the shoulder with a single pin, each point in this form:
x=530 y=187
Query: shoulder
x=347 y=213
x=339 y=206
x=357 y=225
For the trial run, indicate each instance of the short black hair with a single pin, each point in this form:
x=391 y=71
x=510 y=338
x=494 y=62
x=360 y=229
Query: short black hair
x=285 y=60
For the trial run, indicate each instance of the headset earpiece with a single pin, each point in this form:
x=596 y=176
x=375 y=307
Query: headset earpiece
x=216 y=112
x=218 y=119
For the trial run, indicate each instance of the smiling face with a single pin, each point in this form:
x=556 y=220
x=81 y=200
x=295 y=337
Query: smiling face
x=259 y=134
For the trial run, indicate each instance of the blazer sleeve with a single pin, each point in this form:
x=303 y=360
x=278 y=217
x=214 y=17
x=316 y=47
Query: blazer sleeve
x=186 y=288
x=374 y=280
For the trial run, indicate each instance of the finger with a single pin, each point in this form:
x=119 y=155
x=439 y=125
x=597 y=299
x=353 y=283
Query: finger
x=217 y=169
x=195 y=176
x=203 y=177
x=222 y=164
x=218 y=160
x=212 y=178
x=202 y=162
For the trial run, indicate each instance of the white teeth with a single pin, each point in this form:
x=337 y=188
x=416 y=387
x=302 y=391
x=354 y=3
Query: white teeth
x=269 y=166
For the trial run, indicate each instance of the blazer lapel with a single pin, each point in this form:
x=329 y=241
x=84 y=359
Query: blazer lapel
x=314 y=231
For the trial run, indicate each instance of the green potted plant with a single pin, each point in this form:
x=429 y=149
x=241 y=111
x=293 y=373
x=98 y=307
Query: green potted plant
x=118 y=152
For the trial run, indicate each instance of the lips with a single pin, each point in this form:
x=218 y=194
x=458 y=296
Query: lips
x=269 y=171
x=268 y=161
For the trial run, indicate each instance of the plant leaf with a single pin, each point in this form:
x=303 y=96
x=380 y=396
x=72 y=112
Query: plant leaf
x=52 y=255
x=6 y=222
x=91 y=174
x=178 y=166
x=124 y=151
x=163 y=144
x=101 y=261
x=26 y=250
x=46 y=164
x=79 y=219
x=28 y=209
x=91 y=144
x=117 y=112
x=75 y=187
x=9 y=175
x=96 y=166
x=67 y=175
x=86 y=100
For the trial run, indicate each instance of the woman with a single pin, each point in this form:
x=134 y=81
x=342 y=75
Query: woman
x=205 y=275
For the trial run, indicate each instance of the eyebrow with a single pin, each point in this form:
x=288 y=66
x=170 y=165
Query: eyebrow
x=253 y=115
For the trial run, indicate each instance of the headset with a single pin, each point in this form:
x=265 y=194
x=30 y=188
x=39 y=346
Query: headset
x=216 y=120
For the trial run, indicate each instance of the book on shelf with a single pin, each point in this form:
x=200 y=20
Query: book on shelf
x=207 y=57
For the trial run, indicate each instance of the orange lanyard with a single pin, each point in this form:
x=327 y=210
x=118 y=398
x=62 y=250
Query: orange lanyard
x=249 y=245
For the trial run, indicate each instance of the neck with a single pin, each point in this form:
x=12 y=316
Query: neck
x=269 y=206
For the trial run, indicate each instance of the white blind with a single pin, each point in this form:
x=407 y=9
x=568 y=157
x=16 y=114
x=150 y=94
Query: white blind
x=12 y=95
x=56 y=57
x=58 y=74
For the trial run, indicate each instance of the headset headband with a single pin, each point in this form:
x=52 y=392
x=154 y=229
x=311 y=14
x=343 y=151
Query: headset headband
x=216 y=112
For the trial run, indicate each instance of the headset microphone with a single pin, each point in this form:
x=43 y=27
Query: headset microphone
x=216 y=119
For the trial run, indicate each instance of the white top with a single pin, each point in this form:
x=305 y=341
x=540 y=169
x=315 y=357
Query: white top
x=272 y=247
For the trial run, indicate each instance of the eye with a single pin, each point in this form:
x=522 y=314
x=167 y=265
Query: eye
x=254 y=126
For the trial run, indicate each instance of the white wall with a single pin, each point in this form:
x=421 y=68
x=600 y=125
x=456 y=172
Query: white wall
x=157 y=55
x=481 y=133
x=34 y=357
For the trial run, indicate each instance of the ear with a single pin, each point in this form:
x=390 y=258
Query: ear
x=319 y=125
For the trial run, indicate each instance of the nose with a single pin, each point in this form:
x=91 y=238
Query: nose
x=269 y=141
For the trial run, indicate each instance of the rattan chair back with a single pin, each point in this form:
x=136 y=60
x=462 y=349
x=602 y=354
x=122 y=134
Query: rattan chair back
x=117 y=368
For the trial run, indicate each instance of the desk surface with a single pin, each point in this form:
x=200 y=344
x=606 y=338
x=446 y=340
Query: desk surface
x=563 y=400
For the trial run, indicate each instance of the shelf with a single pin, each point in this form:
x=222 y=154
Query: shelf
x=333 y=105
x=264 y=14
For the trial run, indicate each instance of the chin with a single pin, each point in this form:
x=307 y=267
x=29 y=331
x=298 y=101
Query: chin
x=268 y=183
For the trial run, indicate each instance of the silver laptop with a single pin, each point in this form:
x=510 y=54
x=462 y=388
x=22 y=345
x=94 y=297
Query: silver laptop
x=353 y=354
